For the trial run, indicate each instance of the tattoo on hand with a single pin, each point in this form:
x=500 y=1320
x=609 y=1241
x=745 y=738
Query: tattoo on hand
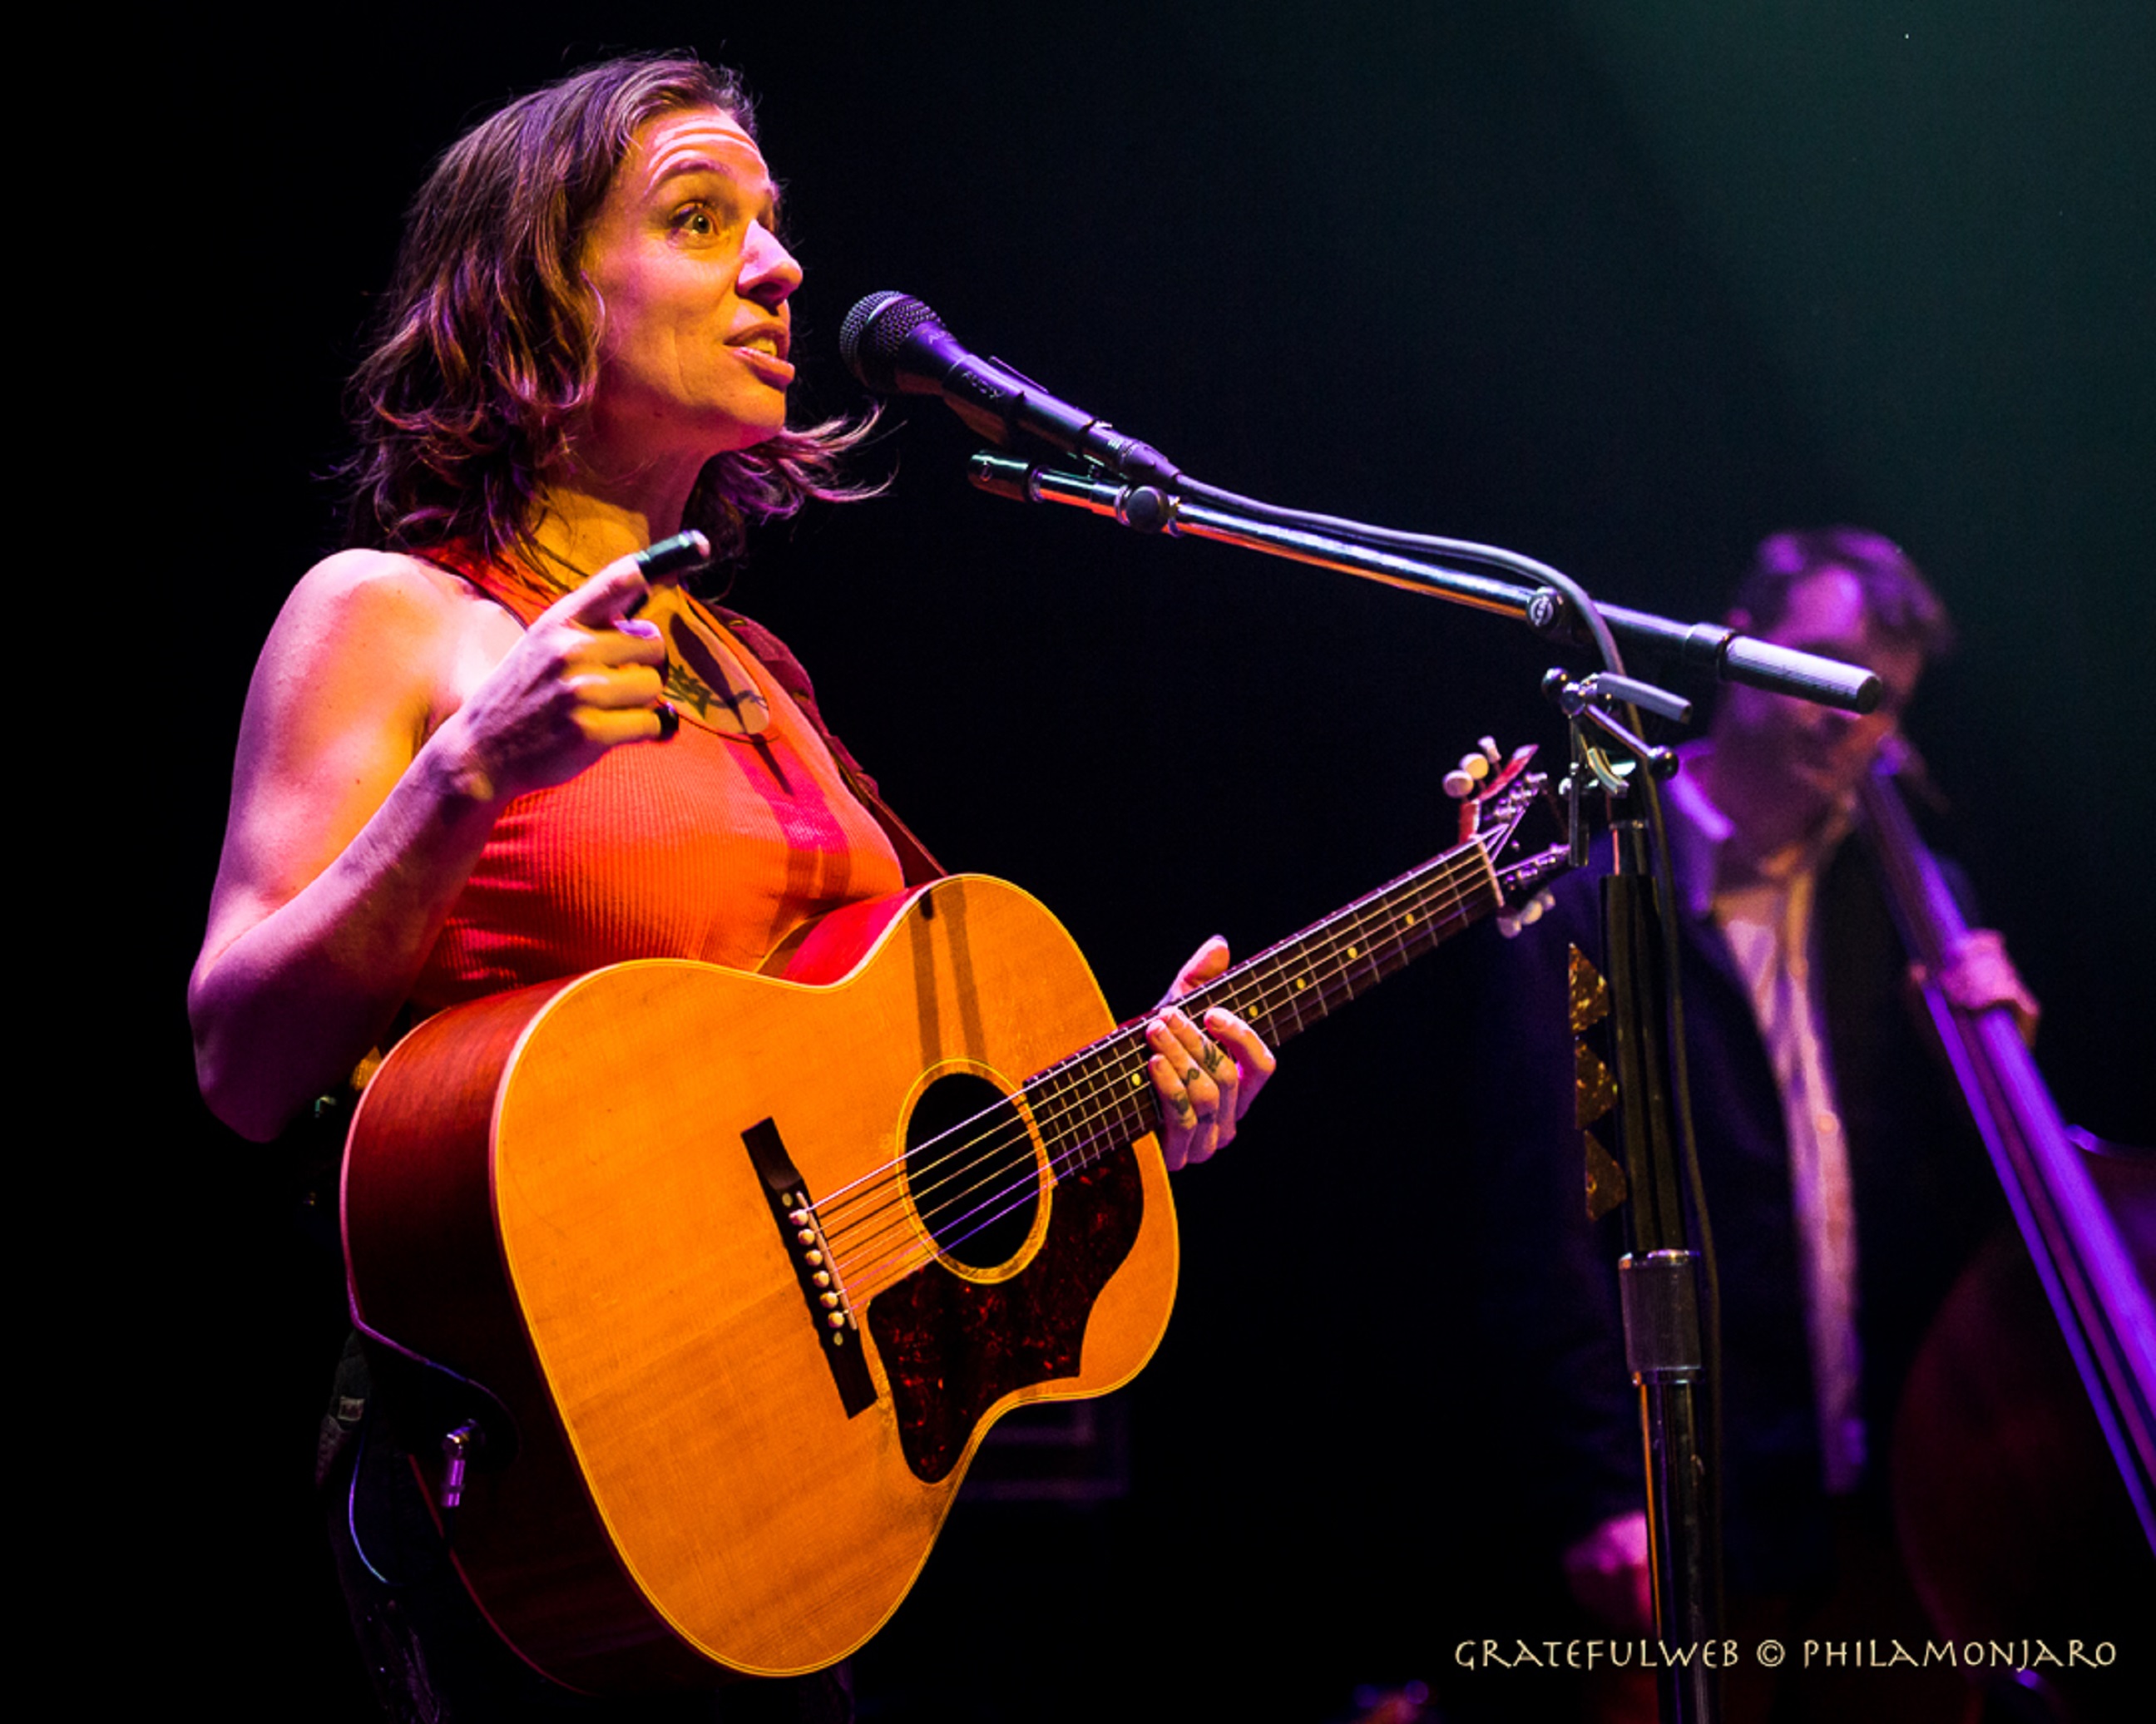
x=1210 y=1058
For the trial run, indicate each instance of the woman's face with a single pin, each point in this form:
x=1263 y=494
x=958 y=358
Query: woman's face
x=693 y=284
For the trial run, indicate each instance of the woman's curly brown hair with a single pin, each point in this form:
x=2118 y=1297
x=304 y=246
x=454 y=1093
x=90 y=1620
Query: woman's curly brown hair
x=487 y=345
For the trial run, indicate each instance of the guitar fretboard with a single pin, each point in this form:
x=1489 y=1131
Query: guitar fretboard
x=1101 y=1097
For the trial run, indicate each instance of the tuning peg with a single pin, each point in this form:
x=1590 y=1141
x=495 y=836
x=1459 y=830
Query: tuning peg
x=1473 y=768
x=1529 y=913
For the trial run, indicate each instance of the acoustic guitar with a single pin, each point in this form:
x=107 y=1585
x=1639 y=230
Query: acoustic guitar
x=728 y=1273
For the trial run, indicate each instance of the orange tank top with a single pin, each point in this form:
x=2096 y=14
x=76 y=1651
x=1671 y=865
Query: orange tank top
x=708 y=847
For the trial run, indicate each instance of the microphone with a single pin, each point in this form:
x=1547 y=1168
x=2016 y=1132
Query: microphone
x=895 y=344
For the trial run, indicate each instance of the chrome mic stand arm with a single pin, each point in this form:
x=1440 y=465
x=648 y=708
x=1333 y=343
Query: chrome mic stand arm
x=1534 y=597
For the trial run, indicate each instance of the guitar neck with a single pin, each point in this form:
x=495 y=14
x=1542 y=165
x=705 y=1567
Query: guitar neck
x=1101 y=1097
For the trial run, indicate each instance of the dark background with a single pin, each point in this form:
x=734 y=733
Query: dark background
x=1622 y=294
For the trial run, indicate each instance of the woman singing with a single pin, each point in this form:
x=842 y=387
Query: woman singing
x=481 y=749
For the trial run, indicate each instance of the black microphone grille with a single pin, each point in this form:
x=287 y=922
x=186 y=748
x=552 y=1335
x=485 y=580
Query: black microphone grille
x=874 y=331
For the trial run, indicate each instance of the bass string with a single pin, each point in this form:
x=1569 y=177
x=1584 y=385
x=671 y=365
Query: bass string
x=1073 y=1131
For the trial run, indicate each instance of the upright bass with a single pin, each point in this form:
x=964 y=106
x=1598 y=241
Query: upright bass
x=2007 y=1511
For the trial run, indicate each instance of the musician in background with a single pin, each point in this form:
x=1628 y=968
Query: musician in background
x=1845 y=1185
x=481 y=750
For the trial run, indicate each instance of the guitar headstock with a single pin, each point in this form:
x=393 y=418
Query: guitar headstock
x=1494 y=793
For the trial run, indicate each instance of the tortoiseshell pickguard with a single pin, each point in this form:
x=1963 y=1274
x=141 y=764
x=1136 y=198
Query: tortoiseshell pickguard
x=951 y=1348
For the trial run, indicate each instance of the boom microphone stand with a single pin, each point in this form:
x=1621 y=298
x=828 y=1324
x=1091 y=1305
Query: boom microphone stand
x=895 y=344
x=1660 y=1277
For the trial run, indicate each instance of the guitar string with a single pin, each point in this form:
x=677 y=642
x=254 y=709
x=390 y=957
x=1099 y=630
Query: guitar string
x=1116 y=1049
x=1433 y=882
x=890 y=1272
x=1075 y=1130
x=1073 y=1140
x=1390 y=899
x=1427 y=880
x=1077 y=1150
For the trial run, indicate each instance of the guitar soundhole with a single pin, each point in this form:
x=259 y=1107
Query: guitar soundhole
x=969 y=1165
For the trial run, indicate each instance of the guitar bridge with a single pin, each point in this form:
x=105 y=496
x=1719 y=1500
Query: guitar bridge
x=823 y=1292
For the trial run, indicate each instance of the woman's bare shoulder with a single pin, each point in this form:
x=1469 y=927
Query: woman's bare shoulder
x=376 y=620
x=359 y=670
x=375 y=589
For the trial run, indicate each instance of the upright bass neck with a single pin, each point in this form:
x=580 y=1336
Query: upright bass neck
x=2103 y=1309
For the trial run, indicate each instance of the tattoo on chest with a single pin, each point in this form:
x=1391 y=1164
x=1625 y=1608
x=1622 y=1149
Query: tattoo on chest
x=699 y=680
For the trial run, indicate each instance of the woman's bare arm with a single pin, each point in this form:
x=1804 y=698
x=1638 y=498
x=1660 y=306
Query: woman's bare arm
x=365 y=784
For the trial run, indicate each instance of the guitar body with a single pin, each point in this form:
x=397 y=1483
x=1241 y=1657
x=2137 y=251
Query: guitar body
x=569 y=1194
x=719 y=1279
